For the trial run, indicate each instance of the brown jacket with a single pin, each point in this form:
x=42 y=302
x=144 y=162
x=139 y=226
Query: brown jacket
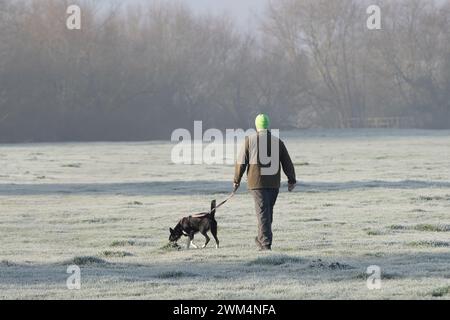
x=260 y=172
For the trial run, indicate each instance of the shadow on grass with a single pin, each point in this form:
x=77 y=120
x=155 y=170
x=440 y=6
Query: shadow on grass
x=200 y=187
x=268 y=266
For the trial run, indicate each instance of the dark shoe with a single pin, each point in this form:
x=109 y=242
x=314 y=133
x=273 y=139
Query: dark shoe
x=265 y=248
x=258 y=244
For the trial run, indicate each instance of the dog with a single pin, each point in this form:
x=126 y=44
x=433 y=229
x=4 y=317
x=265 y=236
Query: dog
x=201 y=222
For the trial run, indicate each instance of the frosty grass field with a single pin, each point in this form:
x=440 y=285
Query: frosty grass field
x=364 y=198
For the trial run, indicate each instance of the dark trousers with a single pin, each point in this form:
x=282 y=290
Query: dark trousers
x=264 y=202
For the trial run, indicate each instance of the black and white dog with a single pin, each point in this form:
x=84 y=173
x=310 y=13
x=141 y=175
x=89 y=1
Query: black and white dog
x=189 y=226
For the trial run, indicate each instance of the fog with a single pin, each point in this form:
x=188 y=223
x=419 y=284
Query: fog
x=140 y=69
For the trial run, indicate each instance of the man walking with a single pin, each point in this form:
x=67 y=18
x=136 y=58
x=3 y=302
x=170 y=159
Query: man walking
x=261 y=156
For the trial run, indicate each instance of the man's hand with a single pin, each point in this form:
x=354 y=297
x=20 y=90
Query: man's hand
x=235 y=186
x=291 y=186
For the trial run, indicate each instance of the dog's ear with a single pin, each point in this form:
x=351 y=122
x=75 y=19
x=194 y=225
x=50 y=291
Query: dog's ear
x=171 y=230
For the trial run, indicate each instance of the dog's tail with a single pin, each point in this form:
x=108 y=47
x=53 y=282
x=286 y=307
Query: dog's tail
x=213 y=209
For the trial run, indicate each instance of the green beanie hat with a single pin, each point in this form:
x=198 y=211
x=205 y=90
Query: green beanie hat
x=262 y=121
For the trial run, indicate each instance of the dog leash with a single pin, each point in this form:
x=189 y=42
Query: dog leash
x=223 y=202
x=216 y=207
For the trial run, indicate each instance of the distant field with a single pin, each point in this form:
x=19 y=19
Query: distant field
x=365 y=198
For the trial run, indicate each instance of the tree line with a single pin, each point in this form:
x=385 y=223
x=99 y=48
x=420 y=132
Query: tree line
x=137 y=72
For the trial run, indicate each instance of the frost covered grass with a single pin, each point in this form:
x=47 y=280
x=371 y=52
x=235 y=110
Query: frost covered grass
x=364 y=198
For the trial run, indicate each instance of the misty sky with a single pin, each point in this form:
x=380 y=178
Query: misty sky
x=245 y=11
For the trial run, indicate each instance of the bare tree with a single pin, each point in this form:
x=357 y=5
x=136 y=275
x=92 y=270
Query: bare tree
x=138 y=71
